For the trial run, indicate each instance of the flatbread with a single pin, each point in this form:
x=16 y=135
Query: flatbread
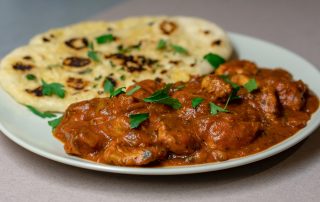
x=61 y=56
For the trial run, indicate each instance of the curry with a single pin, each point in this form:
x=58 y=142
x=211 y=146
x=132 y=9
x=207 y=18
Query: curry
x=236 y=111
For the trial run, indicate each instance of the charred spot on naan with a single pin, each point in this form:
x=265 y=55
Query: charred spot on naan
x=77 y=43
x=48 y=39
x=77 y=83
x=22 y=66
x=216 y=43
x=132 y=63
x=168 y=27
x=27 y=57
x=76 y=62
x=36 y=92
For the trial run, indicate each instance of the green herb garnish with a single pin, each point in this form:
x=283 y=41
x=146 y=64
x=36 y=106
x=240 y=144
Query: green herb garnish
x=137 y=119
x=251 y=85
x=107 y=38
x=53 y=88
x=133 y=90
x=227 y=79
x=214 y=60
x=98 y=78
x=31 y=77
x=41 y=114
x=179 y=49
x=55 y=122
x=196 y=101
x=92 y=54
x=232 y=96
x=108 y=86
x=117 y=92
x=162 y=44
x=124 y=50
x=162 y=97
x=112 y=64
x=214 y=109
x=122 y=77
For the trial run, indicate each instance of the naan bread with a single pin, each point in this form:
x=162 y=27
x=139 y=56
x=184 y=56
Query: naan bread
x=61 y=56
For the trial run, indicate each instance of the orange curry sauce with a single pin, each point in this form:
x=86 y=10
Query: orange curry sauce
x=99 y=129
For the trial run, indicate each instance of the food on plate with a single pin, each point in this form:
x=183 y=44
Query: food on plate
x=75 y=63
x=236 y=111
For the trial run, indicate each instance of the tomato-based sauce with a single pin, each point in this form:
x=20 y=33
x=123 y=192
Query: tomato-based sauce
x=229 y=119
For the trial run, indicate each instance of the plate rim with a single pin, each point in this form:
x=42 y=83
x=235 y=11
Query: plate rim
x=181 y=170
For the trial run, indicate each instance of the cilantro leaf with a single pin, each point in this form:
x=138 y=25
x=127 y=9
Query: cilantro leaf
x=128 y=49
x=106 y=38
x=196 y=101
x=179 y=49
x=215 y=109
x=31 y=77
x=162 y=97
x=232 y=96
x=227 y=79
x=251 y=85
x=122 y=77
x=41 y=114
x=108 y=86
x=214 y=60
x=162 y=44
x=137 y=119
x=55 y=122
x=92 y=54
x=53 y=88
x=133 y=90
x=117 y=92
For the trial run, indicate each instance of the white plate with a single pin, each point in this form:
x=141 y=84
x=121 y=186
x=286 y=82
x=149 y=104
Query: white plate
x=33 y=133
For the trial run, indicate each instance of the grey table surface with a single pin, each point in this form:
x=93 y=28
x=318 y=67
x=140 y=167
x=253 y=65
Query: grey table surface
x=292 y=175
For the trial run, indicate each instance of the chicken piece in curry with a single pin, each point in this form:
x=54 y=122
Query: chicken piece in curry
x=236 y=111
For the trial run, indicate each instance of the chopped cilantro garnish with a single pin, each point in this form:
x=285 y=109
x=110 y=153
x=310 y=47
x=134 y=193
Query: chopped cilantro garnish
x=31 y=77
x=117 y=92
x=137 y=119
x=55 y=122
x=162 y=44
x=196 y=101
x=112 y=64
x=179 y=49
x=227 y=79
x=53 y=88
x=251 y=85
x=98 y=78
x=133 y=90
x=122 y=77
x=215 y=109
x=106 y=38
x=162 y=97
x=232 y=96
x=235 y=89
x=214 y=60
x=41 y=114
x=92 y=54
x=108 y=86
x=124 y=50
